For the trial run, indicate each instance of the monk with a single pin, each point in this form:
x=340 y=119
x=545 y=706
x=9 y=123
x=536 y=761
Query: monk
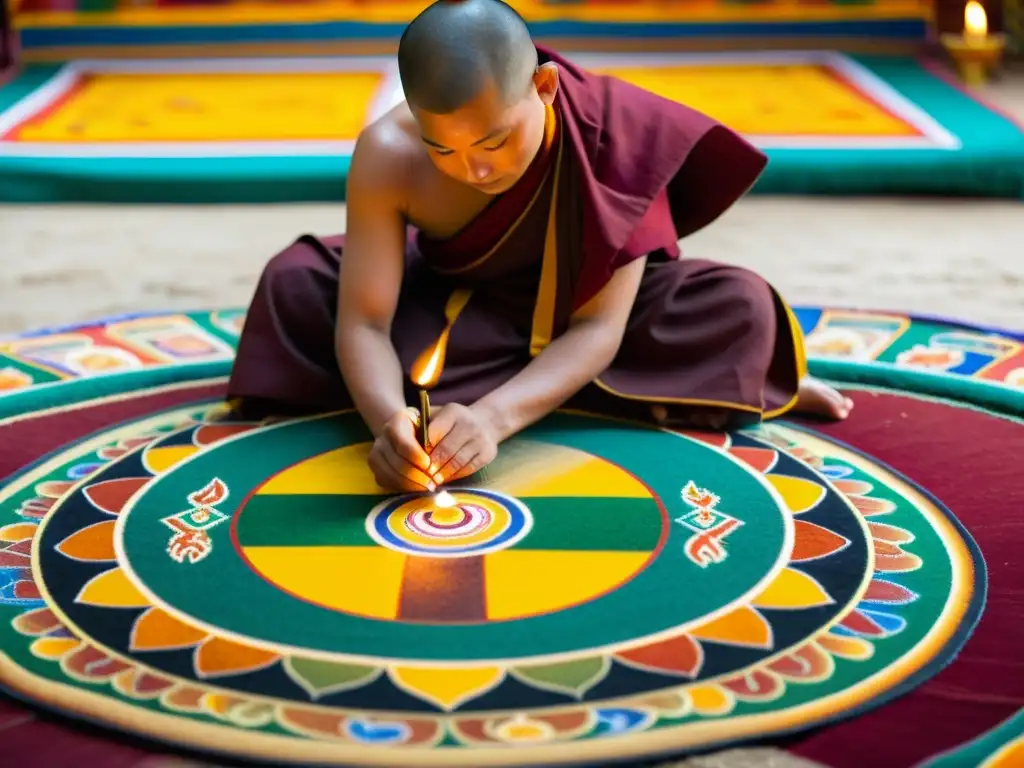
x=527 y=214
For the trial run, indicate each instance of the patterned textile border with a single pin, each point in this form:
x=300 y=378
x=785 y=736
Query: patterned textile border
x=982 y=366
x=346 y=26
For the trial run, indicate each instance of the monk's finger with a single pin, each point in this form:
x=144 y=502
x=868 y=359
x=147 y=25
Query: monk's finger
x=473 y=465
x=444 y=452
x=442 y=423
x=463 y=457
x=385 y=476
x=401 y=434
x=411 y=478
x=487 y=453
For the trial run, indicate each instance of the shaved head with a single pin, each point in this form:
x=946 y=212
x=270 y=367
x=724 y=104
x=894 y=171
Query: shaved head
x=453 y=51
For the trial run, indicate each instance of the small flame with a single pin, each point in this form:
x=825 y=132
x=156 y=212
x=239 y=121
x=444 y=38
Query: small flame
x=975 y=19
x=444 y=500
x=426 y=371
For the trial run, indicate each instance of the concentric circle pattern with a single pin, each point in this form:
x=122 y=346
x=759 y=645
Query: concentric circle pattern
x=477 y=522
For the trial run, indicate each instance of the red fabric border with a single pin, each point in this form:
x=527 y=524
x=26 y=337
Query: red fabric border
x=29 y=440
x=971 y=462
x=965 y=458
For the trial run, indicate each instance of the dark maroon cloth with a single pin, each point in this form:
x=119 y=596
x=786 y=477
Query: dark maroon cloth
x=630 y=145
x=969 y=460
x=699 y=330
x=628 y=173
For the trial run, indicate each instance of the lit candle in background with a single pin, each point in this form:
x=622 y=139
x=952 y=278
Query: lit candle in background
x=975 y=23
x=977 y=52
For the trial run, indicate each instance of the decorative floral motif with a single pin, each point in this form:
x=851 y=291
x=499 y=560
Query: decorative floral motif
x=191 y=540
x=709 y=525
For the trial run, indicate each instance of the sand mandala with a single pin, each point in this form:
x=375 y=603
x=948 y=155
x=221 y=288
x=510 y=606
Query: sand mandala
x=603 y=590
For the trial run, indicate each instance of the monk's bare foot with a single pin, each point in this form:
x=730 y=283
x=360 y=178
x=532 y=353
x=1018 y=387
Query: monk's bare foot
x=819 y=399
x=691 y=418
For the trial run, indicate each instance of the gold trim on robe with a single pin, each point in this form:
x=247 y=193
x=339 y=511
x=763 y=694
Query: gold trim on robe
x=547 y=290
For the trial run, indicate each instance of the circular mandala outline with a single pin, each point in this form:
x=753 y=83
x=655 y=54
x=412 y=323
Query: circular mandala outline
x=781 y=561
x=667 y=737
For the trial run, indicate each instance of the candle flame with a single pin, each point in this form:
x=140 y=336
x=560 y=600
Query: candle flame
x=975 y=19
x=444 y=500
x=426 y=371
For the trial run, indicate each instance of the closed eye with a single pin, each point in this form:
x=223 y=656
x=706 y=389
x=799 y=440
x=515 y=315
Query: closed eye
x=441 y=152
x=496 y=147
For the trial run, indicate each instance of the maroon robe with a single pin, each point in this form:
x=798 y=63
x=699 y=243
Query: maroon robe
x=623 y=174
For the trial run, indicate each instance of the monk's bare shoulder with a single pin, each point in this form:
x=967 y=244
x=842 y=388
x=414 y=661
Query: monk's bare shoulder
x=388 y=157
x=391 y=168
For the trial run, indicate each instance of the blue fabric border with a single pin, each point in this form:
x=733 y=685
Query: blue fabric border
x=198 y=34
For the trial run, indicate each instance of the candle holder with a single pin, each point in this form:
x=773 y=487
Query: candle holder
x=976 y=52
x=976 y=57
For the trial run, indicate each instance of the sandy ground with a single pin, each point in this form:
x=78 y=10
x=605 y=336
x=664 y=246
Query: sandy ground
x=957 y=258
x=960 y=258
x=62 y=264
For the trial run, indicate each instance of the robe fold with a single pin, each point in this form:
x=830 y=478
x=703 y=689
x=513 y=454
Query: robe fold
x=622 y=174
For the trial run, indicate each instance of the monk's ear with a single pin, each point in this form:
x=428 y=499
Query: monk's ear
x=545 y=80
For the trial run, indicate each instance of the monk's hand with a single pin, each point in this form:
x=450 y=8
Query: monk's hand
x=397 y=459
x=463 y=442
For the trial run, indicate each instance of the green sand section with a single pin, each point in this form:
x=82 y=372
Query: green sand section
x=647 y=604
x=559 y=523
x=989 y=163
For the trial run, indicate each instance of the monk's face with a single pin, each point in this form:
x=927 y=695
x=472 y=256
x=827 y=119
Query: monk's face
x=489 y=143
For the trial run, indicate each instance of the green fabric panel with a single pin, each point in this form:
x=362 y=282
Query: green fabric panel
x=990 y=162
x=173 y=180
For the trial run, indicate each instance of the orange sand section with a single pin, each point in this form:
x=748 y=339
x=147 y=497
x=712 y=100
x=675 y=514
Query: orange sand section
x=202 y=106
x=772 y=99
